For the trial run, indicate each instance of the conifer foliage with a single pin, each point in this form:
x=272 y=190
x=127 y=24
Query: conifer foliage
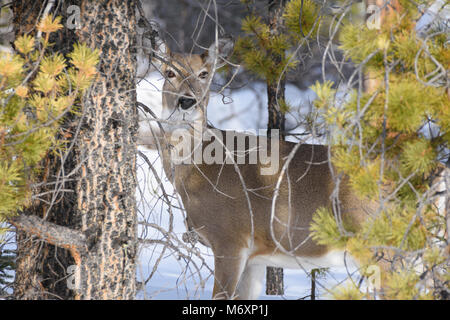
x=256 y=48
x=37 y=89
x=391 y=140
x=388 y=130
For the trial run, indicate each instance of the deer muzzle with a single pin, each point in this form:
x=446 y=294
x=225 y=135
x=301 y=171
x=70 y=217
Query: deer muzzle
x=186 y=103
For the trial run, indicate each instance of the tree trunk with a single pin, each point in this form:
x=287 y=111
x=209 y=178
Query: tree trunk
x=275 y=94
x=107 y=140
x=313 y=283
x=92 y=230
x=276 y=90
x=274 y=281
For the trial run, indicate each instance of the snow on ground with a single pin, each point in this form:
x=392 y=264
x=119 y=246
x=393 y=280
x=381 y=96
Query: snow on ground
x=238 y=110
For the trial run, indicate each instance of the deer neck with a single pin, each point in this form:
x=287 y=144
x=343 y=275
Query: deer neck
x=182 y=147
x=192 y=132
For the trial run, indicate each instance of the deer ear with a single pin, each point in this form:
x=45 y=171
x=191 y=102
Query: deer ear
x=162 y=49
x=219 y=51
x=161 y=54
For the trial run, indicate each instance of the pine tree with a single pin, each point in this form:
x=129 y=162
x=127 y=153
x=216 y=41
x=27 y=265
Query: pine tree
x=264 y=51
x=89 y=205
x=389 y=136
x=390 y=141
x=36 y=94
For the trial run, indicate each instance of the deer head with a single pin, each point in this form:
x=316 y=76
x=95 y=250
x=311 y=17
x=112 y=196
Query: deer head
x=187 y=81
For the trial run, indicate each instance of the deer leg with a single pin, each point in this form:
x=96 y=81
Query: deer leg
x=228 y=269
x=251 y=283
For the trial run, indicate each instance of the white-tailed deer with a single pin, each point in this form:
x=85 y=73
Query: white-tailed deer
x=229 y=198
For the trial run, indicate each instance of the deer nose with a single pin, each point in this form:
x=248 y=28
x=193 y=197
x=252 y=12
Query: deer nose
x=186 y=103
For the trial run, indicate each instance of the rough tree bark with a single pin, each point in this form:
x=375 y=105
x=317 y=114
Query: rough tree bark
x=93 y=227
x=275 y=93
x=107 y=140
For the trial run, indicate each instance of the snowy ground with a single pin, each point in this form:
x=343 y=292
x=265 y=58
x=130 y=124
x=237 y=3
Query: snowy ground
x=239 y=110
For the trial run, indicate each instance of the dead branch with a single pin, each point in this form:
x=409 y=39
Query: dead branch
x=63 y=237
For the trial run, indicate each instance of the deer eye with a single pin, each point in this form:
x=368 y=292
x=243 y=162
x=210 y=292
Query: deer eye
x=170 y=74
x=203 y=75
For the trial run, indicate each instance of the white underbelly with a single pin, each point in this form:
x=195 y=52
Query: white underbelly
x=333 y=259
